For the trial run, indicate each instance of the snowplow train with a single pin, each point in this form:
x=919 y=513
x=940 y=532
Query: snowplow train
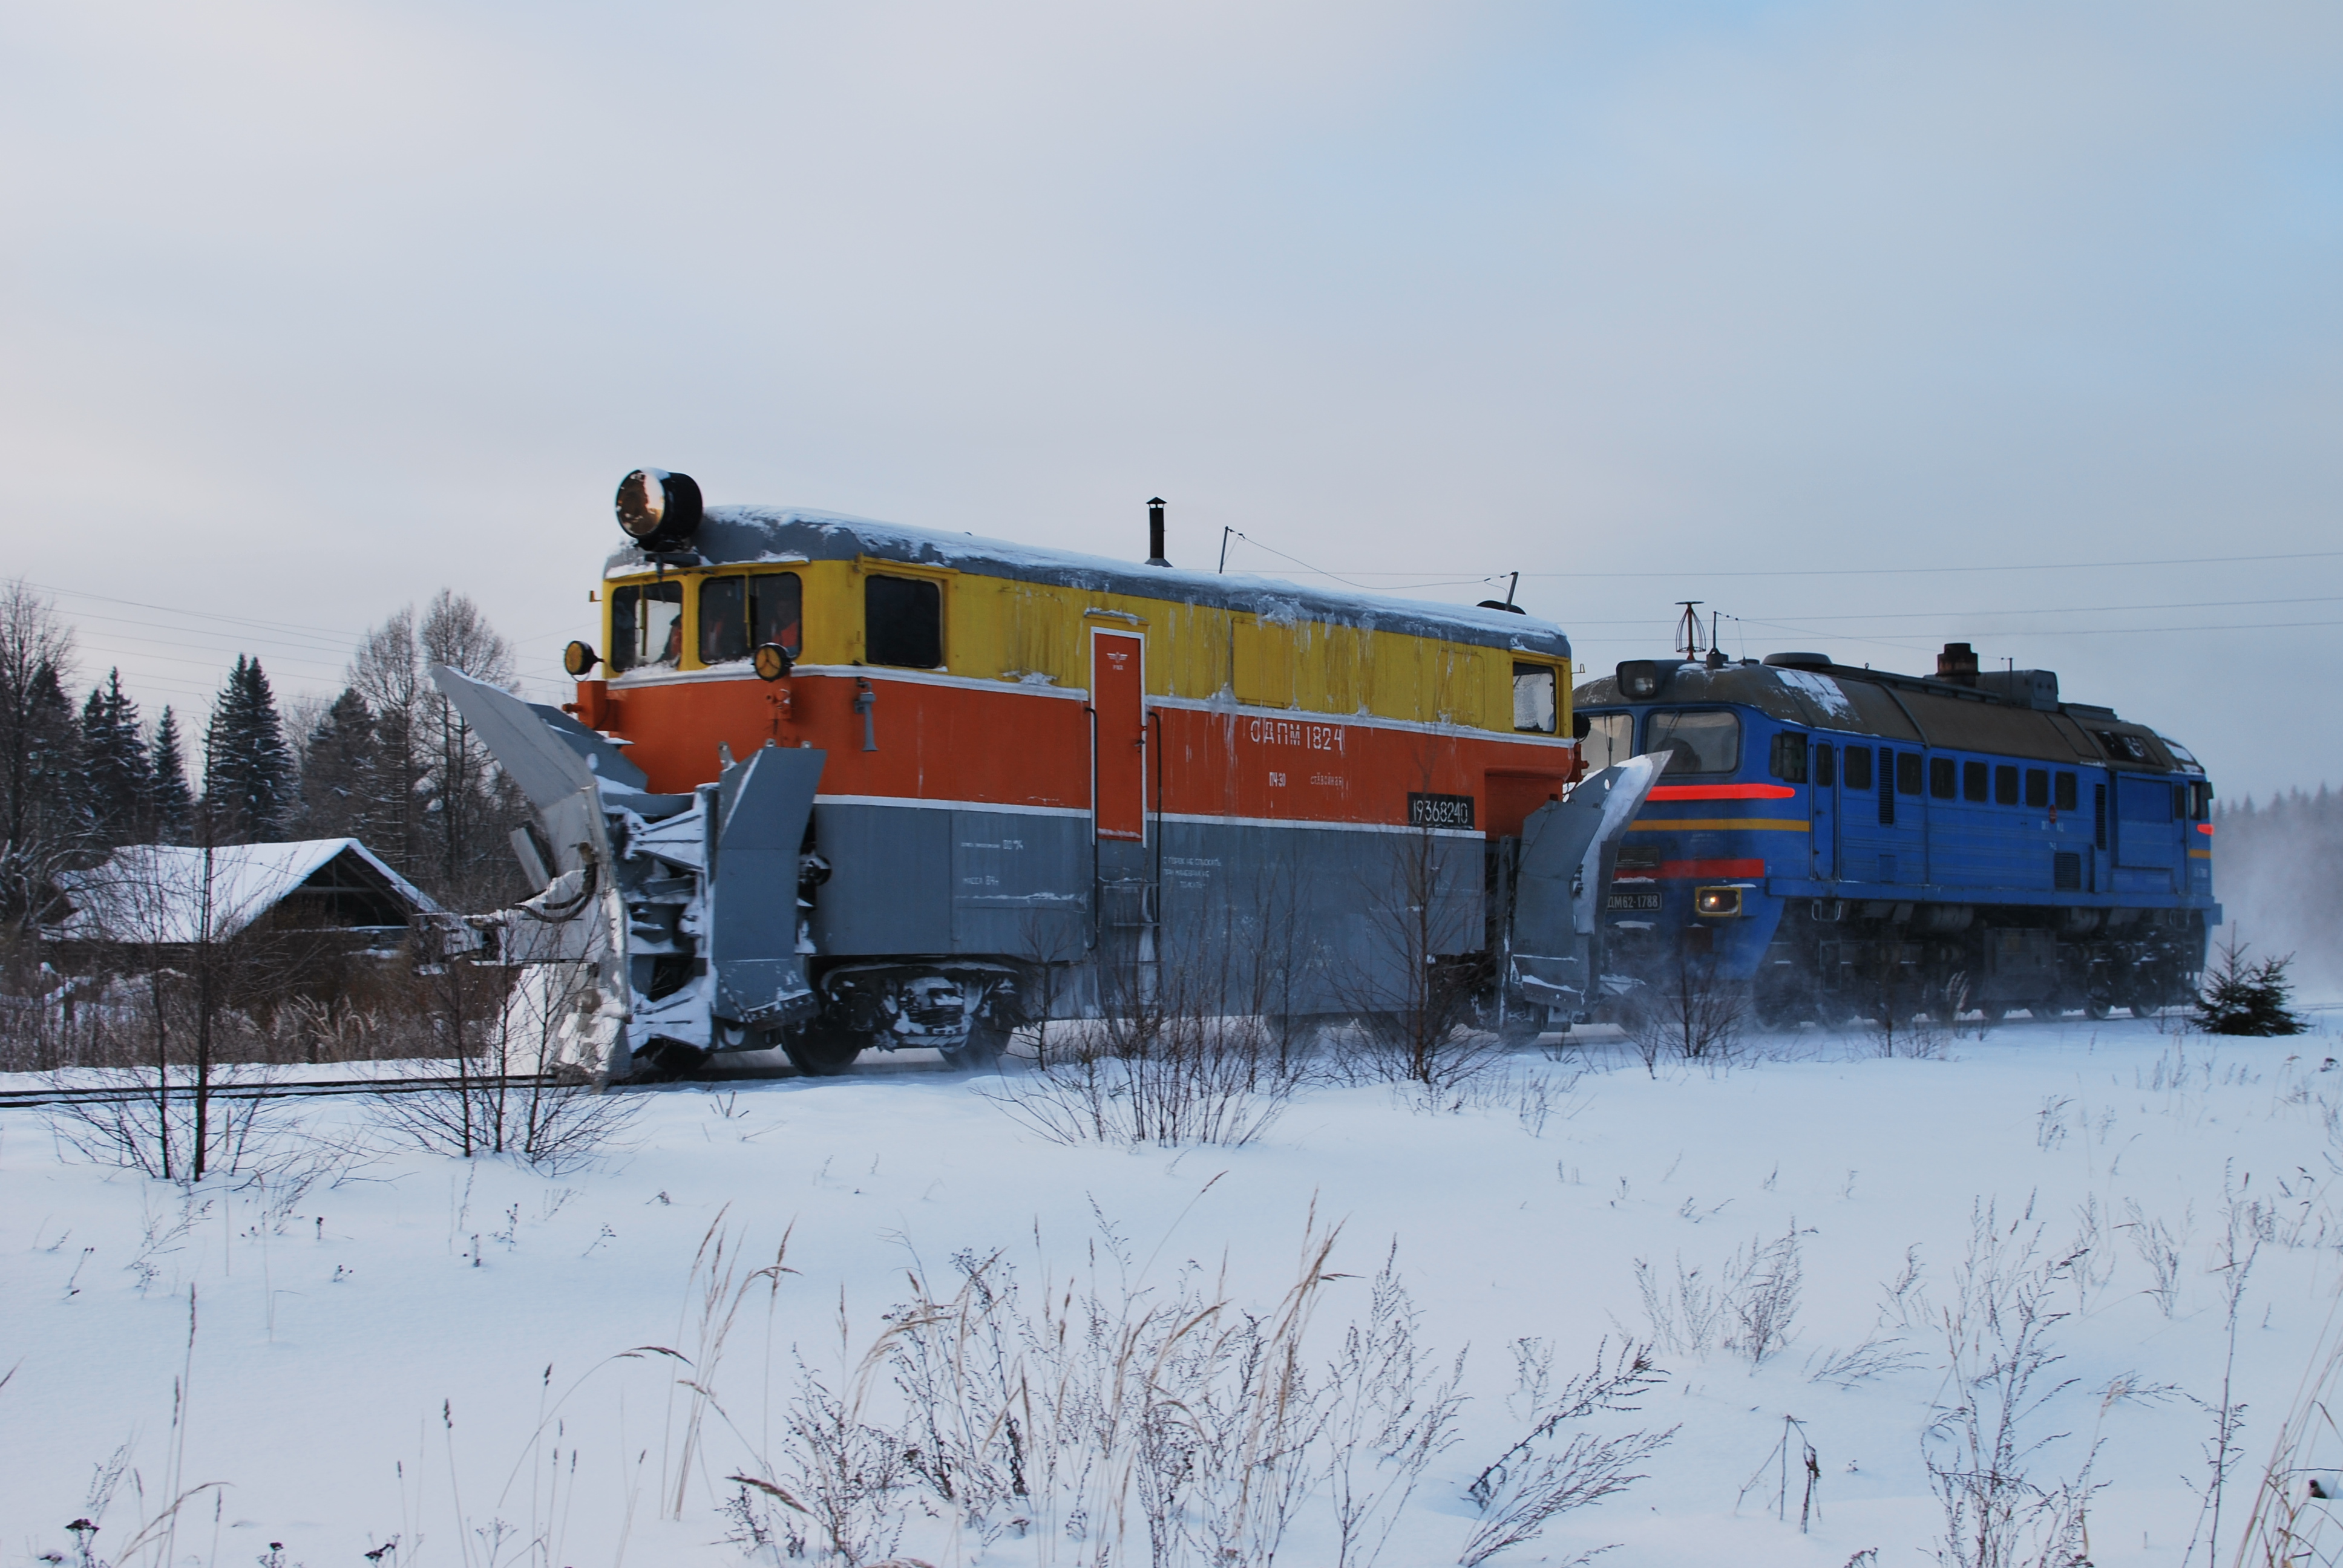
x=829 y=786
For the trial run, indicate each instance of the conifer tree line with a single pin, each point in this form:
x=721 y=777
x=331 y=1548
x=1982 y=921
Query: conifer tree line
x=390 y=761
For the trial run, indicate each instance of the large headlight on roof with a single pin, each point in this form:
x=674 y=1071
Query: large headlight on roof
x=1639 y=680
x=657 y=509
x=1719 y=902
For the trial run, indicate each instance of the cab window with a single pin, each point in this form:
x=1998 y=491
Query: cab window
x=646 y=625
x=903 y=622
x=739 y=615
x=1533 y=706
x=1699 y=740
x=1603 y=738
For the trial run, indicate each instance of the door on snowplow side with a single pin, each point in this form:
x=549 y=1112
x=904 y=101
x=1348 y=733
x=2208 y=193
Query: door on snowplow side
x=1118 y=733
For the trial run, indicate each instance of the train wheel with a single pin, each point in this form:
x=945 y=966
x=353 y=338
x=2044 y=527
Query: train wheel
x=2097 y=1006
x=818 y=1050
x=1993 y=1012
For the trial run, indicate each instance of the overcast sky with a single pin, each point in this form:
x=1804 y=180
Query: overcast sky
x=1870 y=326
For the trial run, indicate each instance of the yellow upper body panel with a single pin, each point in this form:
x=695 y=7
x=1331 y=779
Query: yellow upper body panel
x=1014 y=628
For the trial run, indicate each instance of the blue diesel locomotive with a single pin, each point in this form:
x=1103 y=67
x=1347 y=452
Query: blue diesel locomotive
x=1853 y=843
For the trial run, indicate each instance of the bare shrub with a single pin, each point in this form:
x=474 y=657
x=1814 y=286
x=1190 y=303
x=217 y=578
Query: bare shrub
x=1983 y=1443
x=1546 y=1473
x=2160 y=1250
x=1751 y=1307
x=1685 y=1012
x=492 y=1031
x=2292 y=1518
x=1169 y=1065
x=1388 y=1413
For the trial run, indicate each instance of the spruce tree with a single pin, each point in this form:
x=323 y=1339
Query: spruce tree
x=115 y=769
x=173 y=804
x=338 y=770
x=247 y=771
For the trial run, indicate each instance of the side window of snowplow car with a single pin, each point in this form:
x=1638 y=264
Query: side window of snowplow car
x=1533 y=705
x=646 y=625
x=1697 y=740
x=776 y=611
x=902 y=622
x=723 y=619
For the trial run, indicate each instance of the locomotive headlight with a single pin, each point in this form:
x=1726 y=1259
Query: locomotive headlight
x=1639 y=680
x=771 y=661
x=657 y=509
x=1718 y=901
x=577 y=659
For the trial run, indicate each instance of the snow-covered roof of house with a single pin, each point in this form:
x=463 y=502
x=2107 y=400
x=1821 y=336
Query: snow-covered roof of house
x=165 y=893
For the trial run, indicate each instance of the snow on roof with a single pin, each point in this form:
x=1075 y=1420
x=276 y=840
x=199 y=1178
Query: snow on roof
x=746 y=535
x=156 y=892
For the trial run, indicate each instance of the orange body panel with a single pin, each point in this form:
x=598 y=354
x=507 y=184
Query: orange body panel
x=1014 y=746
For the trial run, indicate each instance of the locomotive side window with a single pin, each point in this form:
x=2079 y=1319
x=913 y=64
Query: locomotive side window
x=1704 y=740
x=1825 y=765
x=739 y=615
x=1887 y=784
x=2038 y=786
x=1907 y=773
x=1973 y=780
x=1533 y=707
x=2064 y=800
x=2200 y=801
x=646 y=625
x=1858 y=767
x=1943 y=782
x=1603 y=738
x=2004 y=786
x=902 y=622
x=1790 y=758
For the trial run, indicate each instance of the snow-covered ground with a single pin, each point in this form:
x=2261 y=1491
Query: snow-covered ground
x=430 y=1345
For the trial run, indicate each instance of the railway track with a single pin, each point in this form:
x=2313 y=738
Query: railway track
x=281 y=1089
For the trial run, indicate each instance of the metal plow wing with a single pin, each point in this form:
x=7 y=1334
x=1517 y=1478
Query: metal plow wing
x=669 y=926
x=1569 y=848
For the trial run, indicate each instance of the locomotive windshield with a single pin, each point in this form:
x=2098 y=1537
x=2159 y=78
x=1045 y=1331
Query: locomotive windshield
x=739 y=615
x=1698 y=740
x=1605 y=739
x=646 y=625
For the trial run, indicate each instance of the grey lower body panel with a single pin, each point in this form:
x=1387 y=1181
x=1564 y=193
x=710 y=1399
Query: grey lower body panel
x=1296 y=919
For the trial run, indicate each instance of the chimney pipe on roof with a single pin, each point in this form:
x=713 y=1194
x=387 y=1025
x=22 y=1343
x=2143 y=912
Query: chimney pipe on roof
x=1155 y=533
x=1957 y=664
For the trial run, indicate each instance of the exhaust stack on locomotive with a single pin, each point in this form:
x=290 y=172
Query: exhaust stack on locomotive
x=831 y=785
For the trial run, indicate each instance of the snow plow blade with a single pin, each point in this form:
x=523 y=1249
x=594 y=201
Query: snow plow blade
x=1569 y=848
x=669 y=926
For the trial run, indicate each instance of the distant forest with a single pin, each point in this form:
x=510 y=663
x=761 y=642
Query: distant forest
x=2277 y=867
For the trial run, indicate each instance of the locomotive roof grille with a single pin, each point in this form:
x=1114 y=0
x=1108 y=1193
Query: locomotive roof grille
x=747 y=536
